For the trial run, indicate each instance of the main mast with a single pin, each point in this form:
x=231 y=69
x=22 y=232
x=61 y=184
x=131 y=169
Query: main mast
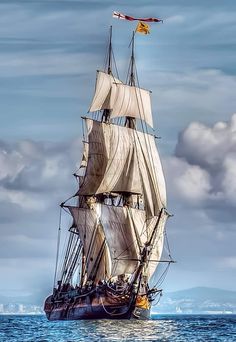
x=130 y=122
x=106 y=112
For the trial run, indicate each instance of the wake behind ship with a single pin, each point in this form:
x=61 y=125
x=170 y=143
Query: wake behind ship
x=116 y=239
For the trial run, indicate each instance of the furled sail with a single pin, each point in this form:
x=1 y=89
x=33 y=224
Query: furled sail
x=105 y=91
x=133 y=102
x=121 y=160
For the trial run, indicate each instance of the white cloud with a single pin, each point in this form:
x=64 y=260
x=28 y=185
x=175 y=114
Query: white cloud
x=23 y=199
x=185 y=181
x=31 y=171
x=209 y=144
x=11 y=163
x=203 y=170
x=229 y=180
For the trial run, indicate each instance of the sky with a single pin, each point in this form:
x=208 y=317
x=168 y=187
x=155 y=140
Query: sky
x=50 y=51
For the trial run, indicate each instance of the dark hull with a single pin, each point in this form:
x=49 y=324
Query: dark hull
x=99 y=308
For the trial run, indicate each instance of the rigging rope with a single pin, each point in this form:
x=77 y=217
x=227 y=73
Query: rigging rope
x=112 y=313
x=162 y=277
x=146 y=136
x=58 y=247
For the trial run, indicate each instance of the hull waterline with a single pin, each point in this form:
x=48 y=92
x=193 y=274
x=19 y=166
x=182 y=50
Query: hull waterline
x=98 y=308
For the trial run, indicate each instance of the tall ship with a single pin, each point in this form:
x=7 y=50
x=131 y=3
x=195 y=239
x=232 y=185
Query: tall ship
x=115 y=243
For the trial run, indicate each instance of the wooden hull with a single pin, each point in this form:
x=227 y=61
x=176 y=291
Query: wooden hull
x=96 y=308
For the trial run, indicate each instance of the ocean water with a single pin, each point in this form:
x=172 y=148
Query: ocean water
x=161 y=328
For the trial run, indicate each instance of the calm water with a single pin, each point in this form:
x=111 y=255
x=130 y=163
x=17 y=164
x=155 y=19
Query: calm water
x=162 y=328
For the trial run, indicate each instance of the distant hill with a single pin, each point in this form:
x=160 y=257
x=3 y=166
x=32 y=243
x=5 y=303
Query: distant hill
x=205 y=293
x=198 y=300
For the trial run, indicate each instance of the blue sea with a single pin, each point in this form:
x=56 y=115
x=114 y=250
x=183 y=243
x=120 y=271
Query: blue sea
x=161 y=328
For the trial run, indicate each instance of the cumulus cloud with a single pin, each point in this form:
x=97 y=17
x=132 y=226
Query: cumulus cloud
x=31 y=171
x=202 y=172
x=201 y=179
x=190 y=181
x=34 y=178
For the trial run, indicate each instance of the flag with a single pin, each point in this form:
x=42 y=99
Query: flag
x=142 y=28
x=118 y=15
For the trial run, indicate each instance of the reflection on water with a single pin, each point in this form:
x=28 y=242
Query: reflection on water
x=173 y=328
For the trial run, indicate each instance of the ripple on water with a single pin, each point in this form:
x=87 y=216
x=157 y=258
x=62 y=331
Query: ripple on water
x=162 y=328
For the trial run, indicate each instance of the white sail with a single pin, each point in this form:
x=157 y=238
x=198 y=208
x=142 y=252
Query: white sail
x=158 y=243
x=132 y=102
x=121 y=160
x=119 y=235
x=152 y=177
x=111 y=160
x=125 y=232
x=105 y=92
x=93 y=241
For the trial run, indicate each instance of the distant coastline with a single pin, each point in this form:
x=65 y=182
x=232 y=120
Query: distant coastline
x=194 y=301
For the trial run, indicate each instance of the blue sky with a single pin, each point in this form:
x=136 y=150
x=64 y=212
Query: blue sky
x=50 y=51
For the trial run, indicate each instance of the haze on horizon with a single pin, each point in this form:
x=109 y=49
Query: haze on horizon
x=50 y=52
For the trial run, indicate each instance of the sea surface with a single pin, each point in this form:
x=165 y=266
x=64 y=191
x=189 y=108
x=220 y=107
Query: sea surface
x=171 y=328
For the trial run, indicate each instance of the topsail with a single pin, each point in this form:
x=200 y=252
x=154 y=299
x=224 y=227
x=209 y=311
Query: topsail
x=121 y=99
x=105 y=92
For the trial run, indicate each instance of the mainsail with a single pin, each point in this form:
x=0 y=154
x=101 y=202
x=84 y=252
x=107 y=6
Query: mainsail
x=97 y=259
x=120 y=160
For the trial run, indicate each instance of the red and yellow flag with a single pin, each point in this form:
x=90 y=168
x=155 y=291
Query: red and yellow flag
x=122 y=16
x=142 y=28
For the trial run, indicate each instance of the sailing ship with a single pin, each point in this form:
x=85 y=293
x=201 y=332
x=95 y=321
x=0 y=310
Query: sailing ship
x=116 y=239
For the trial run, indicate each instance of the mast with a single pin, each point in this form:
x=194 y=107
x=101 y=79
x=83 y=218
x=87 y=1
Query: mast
x=130 y=122
x=106 y=112
x=132 y=64
x=110 y=53
x=147 y=250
